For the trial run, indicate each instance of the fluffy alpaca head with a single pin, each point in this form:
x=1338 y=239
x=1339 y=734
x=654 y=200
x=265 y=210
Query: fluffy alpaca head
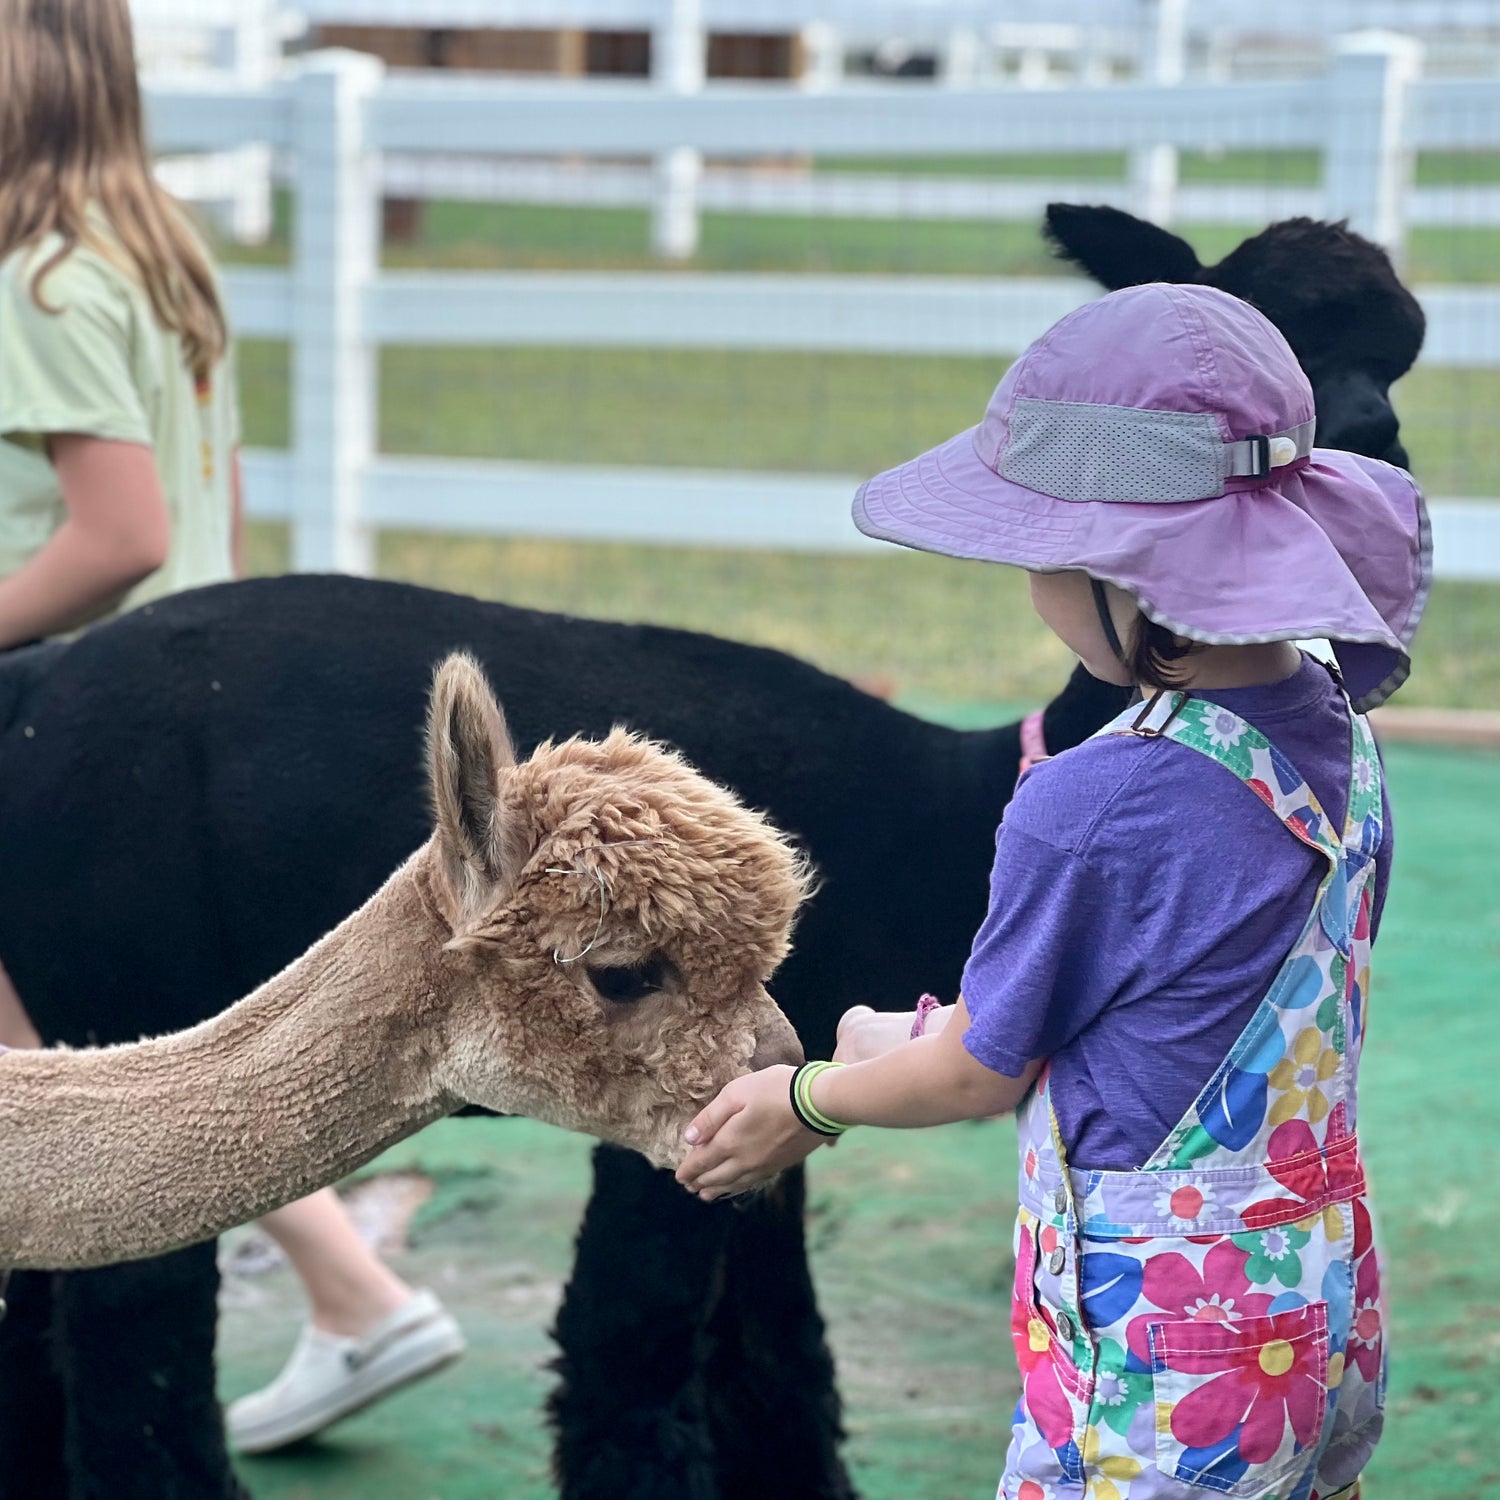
x=1335 y=296
x=615 y=918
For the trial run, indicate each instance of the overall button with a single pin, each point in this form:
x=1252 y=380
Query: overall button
x=1060 y=1199
x=1057 y=1260
x=1065 y=1329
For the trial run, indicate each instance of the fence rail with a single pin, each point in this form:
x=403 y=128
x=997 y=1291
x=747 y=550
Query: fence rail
x=338 y=113
x=931 y=315
x=780 y=512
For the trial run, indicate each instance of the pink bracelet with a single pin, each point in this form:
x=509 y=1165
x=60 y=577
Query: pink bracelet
x=925 y=1007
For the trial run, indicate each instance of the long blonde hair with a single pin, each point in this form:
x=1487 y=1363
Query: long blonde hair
x=70 y=137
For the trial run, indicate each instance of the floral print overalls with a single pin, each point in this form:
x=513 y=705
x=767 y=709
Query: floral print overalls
x=1212 y=1322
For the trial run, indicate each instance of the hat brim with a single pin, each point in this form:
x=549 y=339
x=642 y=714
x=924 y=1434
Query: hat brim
x=1338 y=548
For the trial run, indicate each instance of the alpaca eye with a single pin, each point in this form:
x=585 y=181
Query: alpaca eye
x=625 y=984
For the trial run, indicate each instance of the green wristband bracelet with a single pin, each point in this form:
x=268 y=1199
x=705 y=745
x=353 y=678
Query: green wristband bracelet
x=803 y=1107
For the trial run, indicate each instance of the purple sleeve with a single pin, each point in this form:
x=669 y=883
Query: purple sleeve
x=1053 y=952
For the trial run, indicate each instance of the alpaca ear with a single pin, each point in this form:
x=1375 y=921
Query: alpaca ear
x=1117 y=249
x=479 y=836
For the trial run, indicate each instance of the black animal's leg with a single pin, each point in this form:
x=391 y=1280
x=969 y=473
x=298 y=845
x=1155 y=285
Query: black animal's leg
x=774 y=1407
x=629 y=1413
x=136 y=1353
x=31 y=1401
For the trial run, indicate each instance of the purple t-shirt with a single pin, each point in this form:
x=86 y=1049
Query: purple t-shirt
x=1141 y=903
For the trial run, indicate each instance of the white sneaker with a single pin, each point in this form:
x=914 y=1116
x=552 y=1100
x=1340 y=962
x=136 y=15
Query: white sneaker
x=329 y=1377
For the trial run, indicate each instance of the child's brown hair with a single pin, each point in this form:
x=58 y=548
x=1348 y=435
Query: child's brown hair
x=1153 y=654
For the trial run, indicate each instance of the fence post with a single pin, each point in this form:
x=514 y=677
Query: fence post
x=678 y=65
x=961 y=58
x=335 y=238
x=253 y=49
x=1367 y=164
x=822 y=57
x=1153 y=169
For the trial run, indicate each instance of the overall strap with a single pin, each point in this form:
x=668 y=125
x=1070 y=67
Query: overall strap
x=1244 y=752
x=1364 y=820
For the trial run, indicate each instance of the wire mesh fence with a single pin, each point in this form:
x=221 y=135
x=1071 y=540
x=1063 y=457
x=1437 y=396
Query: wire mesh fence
x=854 y=377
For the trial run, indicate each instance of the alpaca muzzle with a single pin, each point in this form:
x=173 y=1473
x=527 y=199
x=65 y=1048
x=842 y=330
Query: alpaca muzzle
x=776 y=1043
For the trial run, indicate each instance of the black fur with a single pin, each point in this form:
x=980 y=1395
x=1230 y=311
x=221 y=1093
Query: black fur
x=107 y=1384
x=1335 y=296
x=211 y=783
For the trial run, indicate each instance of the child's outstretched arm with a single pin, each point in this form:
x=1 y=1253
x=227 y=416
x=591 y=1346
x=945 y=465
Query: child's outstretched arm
x=750 y=1132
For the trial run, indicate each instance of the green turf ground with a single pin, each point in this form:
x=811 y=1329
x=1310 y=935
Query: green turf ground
x=909 y=1235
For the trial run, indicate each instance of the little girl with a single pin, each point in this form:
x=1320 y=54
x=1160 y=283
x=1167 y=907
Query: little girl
x=1171 y=982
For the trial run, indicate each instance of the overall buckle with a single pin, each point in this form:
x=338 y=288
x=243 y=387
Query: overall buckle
x=1148 y=732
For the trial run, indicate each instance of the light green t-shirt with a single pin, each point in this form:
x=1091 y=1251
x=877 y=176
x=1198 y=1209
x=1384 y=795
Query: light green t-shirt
x=102 y=366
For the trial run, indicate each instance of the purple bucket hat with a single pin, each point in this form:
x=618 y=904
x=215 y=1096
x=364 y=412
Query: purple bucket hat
x=1160 y=439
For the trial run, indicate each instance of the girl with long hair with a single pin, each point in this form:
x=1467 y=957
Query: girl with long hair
x=119 y=483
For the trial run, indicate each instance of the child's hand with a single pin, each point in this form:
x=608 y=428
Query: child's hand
x=866 y=1033
x=747 y=1135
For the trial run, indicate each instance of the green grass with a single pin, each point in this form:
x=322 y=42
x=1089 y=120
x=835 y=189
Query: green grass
x=931 y=630
x=1284 y=168
x=1064 y=166
x=910 y=1243
x=834 y=413
x=489 y=236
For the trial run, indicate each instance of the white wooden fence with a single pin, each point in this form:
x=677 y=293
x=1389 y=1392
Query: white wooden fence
x=338 y=113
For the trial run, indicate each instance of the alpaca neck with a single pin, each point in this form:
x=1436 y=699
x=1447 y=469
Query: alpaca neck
x=1084 y=705
x=130 y=1151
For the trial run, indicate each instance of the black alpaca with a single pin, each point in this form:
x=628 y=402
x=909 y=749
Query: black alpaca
x=688 y=1333
x=202 y=788
x=1335 y=295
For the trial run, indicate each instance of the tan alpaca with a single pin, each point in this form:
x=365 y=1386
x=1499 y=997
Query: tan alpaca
x=585 y=938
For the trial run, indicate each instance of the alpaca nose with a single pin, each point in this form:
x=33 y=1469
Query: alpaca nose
x=776 y=1043
x=1355 y=414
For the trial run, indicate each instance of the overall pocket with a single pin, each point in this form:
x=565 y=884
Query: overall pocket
x=1240 y=1405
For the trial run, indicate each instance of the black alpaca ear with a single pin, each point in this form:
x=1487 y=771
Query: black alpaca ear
x=1116 y=248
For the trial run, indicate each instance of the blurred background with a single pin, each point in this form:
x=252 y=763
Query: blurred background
x=608 y=305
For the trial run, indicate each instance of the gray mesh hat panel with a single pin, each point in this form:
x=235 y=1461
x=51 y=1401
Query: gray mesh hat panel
x=1076 y=450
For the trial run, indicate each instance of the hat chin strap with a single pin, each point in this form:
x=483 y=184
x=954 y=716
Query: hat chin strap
x=1106 y=620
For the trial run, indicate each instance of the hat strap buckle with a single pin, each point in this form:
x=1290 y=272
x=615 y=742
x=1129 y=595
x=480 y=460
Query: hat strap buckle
x=1262 y=453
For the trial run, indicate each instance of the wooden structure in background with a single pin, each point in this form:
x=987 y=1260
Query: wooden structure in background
x=568 y=52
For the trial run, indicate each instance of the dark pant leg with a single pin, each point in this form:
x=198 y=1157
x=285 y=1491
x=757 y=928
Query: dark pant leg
x=136 y=1354
x=31 y=1398
x=629 y=1411
x=774 y=1408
